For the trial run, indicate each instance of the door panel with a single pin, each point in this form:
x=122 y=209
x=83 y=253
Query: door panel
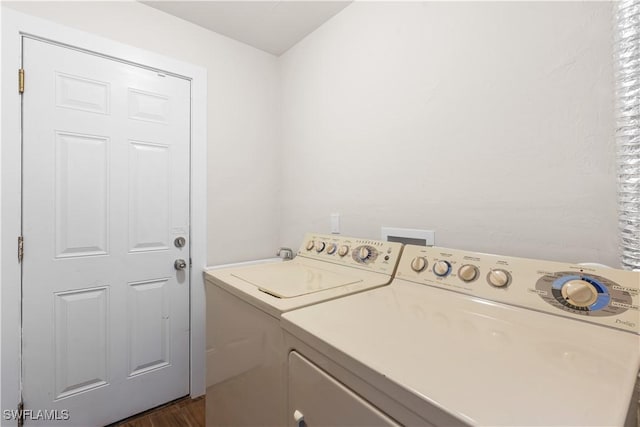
x=149 y=194
x=81 y=334
x=105 y=193
x=82 y=184
x=149 y=326
x=82 y=94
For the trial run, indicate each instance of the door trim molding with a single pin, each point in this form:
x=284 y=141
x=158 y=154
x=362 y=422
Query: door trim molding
x=14 y=26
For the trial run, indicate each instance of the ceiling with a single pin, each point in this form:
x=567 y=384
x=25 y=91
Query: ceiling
x=273 y=26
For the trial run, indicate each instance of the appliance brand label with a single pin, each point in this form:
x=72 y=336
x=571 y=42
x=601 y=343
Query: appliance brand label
x=625 y=323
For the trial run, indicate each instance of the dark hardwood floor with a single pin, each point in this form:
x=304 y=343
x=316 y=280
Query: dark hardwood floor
x=185 y=412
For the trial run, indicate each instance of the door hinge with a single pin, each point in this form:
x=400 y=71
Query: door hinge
x=20 y=413
x=20 y=248
x=21 y=80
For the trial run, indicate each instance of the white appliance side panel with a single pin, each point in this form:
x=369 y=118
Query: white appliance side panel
x=245 y=363
x=323 y=401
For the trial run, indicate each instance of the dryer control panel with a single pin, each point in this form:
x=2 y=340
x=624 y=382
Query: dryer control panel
x=366 y=254
x=595 y=294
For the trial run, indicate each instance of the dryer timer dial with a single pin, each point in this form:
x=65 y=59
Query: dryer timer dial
x=365 y=254
x=579 y=293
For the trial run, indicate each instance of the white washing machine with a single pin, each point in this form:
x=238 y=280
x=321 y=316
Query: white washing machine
x=247 y=361
x=461 y=338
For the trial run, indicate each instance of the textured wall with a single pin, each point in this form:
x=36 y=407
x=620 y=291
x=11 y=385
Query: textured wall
x=491 y=123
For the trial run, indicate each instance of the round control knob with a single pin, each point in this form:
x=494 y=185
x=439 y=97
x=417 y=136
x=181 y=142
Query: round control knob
x=320 y=246
x=441 y=268
x=344 y=249
x=499 y=278
x=418 y=264
x=331 y=249
x=468 y=273
x=310 y=245
x=579 y=293
x=364 y=253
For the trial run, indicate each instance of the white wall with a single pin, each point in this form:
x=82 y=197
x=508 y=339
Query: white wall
x=491 y=123
x=243 y=115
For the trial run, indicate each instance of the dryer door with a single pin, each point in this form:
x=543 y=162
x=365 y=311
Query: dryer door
x=317 y=399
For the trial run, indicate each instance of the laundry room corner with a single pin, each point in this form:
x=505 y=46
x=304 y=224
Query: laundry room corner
x=311 y=212
x=491 y=123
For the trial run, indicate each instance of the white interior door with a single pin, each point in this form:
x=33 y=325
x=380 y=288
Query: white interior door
x=105 y=193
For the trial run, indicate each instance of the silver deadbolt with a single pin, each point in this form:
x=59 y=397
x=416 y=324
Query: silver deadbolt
x=180 y=242
x=180 y=264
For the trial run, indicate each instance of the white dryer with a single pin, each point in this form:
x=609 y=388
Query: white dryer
x=246 y=366
x=461 y=338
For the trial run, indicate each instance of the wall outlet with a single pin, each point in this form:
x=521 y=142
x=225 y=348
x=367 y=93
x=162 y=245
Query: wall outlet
x=335 y=223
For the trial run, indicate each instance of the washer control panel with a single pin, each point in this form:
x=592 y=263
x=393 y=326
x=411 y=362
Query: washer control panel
x=599 y=295
x=373 y=255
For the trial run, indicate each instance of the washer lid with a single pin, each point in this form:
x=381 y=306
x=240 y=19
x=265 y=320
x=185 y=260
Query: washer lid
x=288 y=280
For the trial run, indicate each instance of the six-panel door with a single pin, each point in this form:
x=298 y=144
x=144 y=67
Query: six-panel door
x=105 y=193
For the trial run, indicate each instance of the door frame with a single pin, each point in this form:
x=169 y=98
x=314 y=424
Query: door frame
x=13 y=26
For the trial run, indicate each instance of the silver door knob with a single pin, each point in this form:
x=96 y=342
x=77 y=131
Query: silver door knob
x=180 y=264
x=179 y=242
